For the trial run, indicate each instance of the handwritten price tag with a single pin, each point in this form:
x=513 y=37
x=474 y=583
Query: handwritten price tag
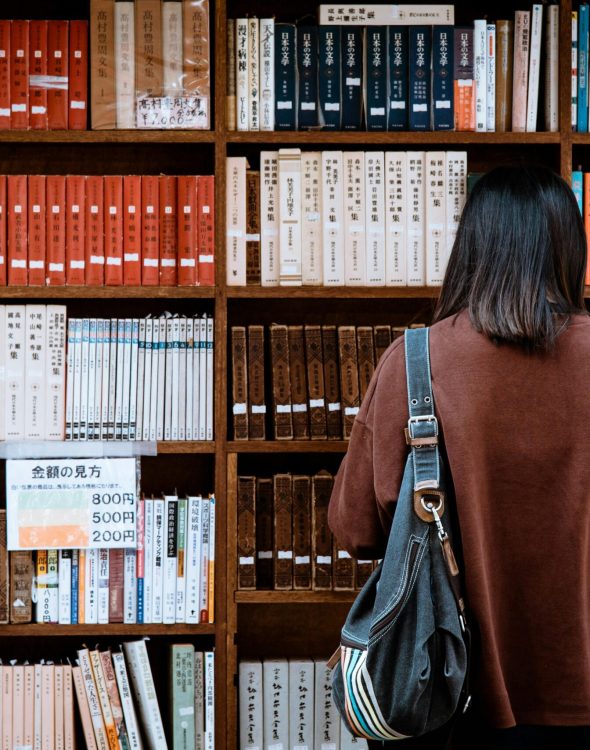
x=172 y=112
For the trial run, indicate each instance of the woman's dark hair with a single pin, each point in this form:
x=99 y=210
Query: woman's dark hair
x=519 y=258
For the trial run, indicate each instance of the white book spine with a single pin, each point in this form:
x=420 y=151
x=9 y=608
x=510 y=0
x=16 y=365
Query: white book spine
x=209 y=700
x=436 y=234
x=172 y=46
x=3 y=353
x=148 y=551
x=140 y=380
x=375 y=217
x=65 y=587
x=456 y=184
x=158 y=562
x=202 y=378
x=251 y=706
x=275 y=691
x=170 y=561
x=188 y=412
x=125 y=64
x=396 y=212
x=355 y=234
x=103 y=586
x=267 y=74
x=168 y=378
x=37 y=708
x=181 y=416
x=253 y=74
x=534 y=68
x=15 y=372
x=154 y=378
x=133 y=379
x=235 y=201
x=105 y=386
x=161 y=398
x=175 y=378
x=77 y=325
x=290 y=217
x=311 y=218
x=332 y=218
x=147 y=378
x=415 y=224
x=491 y=77
x=210 y=325
x=552 y=69
x=69 y=378
x=98 y=385
x=197 y=386
x=126 y=379
x=35 y=356
x=130 y=586
x=242 y=97
x=91 y=587
x=84 y=364
x=382 y=15
x=193 y=559
x=480 y=74
x=143 y=686
x=114 y=366
x=119 y=374
x=326 y=719
x=90 y=416
x=301 y=702
x=269 y=218
x=131 y=723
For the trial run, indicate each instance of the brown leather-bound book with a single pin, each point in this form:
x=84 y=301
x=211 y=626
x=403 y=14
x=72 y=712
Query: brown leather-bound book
x=246 y=532
x=148 y=48
x=4 y=575
x=321 y=536
x=504 y=63
x=281 y=382
x=349 y=377
x=382 y=338
x=116 y=584
x=301 y=532
x=252 y=227
x=298 y=383
x=103 y=111
x=362 y=571
x=264 y=533
x=256 y=398
x=283 y=541
x=315 y=382
x=239 y=382
x=21 y=586
x=397 y=332
x=366 y=358
x=332 y=383
x=342 y=568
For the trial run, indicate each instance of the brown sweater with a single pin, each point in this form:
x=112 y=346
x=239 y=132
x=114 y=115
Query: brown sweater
x=516 y=432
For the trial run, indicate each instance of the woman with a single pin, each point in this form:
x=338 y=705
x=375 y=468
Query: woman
x=510 y=360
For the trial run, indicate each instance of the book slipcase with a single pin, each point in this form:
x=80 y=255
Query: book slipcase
x=249 y=624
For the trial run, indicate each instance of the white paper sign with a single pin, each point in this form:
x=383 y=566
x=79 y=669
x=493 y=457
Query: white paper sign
x=71 y=504
x=172 y=112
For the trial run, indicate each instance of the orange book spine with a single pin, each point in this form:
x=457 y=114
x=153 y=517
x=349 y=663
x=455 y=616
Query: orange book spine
x=206 y=231
x=78 y=76
x=94 y=240
x=75 y=229
x=19 y=75
x=150 y=230
x=168 y=229
x=5 y=77
x=56 y=230
x=57 y=72
x=38 y=75
x=187 y=230
x=37 y=230
x=3 y=235
x=17 y=229
x=113 y=230
x=132 y=230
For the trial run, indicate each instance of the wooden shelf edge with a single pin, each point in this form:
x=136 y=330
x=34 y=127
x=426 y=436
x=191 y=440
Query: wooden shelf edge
x=294 y=597
x=108 y=292
x=335 y=292
x=172 y=446
x=47 y=630
x=337 y=138
x=107 y=136
x=287 y=446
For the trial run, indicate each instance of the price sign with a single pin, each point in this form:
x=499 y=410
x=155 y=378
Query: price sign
x=71 y=504
x=170 y=112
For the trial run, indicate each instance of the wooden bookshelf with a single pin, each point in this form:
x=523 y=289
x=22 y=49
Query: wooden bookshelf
x=258 y=623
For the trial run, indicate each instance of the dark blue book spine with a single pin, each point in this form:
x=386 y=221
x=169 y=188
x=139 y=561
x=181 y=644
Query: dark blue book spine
x=398 y=78
x=376 y=67
x=352 y=77
x=74 y=586
x=330 y=78
x=443 y=114
x=285 y=77
x=420 y=44
x=307 y=70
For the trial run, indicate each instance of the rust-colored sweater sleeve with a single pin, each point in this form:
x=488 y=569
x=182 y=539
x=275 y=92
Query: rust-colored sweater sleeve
x=367 y=484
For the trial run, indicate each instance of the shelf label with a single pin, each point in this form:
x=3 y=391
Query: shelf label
x=170 y=112
x=71 y=504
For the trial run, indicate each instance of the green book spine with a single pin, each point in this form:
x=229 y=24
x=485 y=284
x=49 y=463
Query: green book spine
x=182 y=696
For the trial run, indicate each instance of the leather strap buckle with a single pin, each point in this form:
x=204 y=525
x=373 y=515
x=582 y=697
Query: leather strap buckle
x=426 y=440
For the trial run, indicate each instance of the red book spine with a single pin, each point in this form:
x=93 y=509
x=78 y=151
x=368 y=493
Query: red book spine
x=5 y=79
x=78 y=76
x=57 y=72
x=150 y=230
x=116 y=584
x=132 y=230
x=3 y=222
x=187 y=230
x=19 y=74
x=75 y=225
x=113 y=230
x=17 y=229
x=37 y=230
x=56 y=230
x=206 y=229
x=168 y=238
x=94 y=244
x=38 y=75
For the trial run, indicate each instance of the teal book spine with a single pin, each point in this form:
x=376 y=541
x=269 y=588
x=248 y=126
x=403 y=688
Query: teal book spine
x=182 y=695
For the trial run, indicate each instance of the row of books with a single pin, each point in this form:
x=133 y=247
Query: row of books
x=319 y=375
x=284 y=542
x=484 y=77
x=581 y=189
x=43 y=75
x=343 y=218
x=150 y=64
x=114 y=230
x=580 y=69
x=289 y=703
x=169 y=578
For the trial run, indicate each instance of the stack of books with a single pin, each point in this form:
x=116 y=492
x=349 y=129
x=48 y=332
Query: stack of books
x=395 y=67
x=343 y=218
